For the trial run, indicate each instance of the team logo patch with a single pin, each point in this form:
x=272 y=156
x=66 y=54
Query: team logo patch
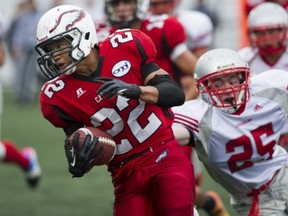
x=162 y=156
x=121 y=68
x=80 y=92
x=257 y=107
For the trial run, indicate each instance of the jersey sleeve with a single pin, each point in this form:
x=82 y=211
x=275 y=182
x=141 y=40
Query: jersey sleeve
x=146 y=47
x=175 y=37
x=271 y=84
x=198 y=27
x=189 y=115
x=145 y=50
x=248 y=54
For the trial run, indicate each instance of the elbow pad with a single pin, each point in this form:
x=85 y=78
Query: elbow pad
x=170 y=93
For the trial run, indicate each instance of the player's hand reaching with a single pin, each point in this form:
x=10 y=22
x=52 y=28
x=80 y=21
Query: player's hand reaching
x=112 y=87
x=80 y=153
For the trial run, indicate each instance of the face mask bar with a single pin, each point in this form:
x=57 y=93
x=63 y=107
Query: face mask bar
x=46 y=62
x=239 y=92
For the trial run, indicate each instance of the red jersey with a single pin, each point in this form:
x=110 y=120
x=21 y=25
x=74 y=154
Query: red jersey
x=169 y=37
x=71 y=101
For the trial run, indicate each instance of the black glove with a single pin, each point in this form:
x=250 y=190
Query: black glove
x=112 y=87
x=79 y=159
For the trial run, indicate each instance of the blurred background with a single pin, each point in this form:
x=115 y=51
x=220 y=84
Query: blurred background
x=227 y=30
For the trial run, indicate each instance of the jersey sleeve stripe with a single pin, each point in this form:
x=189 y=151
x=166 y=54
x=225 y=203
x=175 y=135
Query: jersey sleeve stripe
x=187 y=122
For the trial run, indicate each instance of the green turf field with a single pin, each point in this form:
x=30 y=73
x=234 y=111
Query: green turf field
x=58 y=194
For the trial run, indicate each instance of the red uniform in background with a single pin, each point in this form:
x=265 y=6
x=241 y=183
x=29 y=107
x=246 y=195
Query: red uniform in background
x=169 y=38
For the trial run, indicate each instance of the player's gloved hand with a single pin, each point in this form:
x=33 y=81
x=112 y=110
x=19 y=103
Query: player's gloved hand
x=112 y=87
x=80 y=157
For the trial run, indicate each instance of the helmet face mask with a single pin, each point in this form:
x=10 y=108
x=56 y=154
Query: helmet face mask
x=68 y=24
x=46 y=62
x=228 y=98
x=223 y=79
x=124 y=15
x=269 y=41
x=267 y=28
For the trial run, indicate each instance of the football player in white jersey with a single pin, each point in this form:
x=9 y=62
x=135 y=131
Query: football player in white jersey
x=235 y=127
x=267 y=31
x=267 y=28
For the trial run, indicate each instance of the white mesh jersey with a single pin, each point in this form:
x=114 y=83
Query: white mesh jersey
x=258 y=65
x=240 y=151
x=198 y=27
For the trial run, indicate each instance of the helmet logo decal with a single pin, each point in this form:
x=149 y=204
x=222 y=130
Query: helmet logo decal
x=221 y=67
x=121 y=68
x=74 y=16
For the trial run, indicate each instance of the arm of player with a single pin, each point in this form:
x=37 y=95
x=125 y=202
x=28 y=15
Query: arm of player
x=158 y=89
x=183 y=135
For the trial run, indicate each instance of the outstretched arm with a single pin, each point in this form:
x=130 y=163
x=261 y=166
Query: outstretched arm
x=183 y=135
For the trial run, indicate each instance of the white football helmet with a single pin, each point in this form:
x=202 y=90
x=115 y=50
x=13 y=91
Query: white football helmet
x=65 y=22
x=215 y=64
x=268 y=17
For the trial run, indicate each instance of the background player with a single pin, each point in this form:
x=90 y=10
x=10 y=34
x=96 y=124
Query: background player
x=198 y=26
x=26 y=158
x=233 y=135
x=131 y=104
x=267 y=33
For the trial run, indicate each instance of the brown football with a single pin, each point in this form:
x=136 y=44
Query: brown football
x=104 y=140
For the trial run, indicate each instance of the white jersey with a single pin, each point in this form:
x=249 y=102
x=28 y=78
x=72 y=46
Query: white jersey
x=258 y=65
x=240 y=151
x=198 y=27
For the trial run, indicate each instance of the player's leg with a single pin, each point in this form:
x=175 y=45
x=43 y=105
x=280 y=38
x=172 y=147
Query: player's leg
x=132 y=195
x=273 y=201
x=158 y=183
x=173 y=182
x=33 y=173
x=134 y=204
x=25 y=159
x=9 y=153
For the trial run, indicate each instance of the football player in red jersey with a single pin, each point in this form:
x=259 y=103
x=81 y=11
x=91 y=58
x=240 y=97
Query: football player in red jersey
x=117 y=87
x=166 y=32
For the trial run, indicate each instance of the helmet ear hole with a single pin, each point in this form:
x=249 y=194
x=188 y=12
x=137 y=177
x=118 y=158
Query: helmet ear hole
x=87 y=35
